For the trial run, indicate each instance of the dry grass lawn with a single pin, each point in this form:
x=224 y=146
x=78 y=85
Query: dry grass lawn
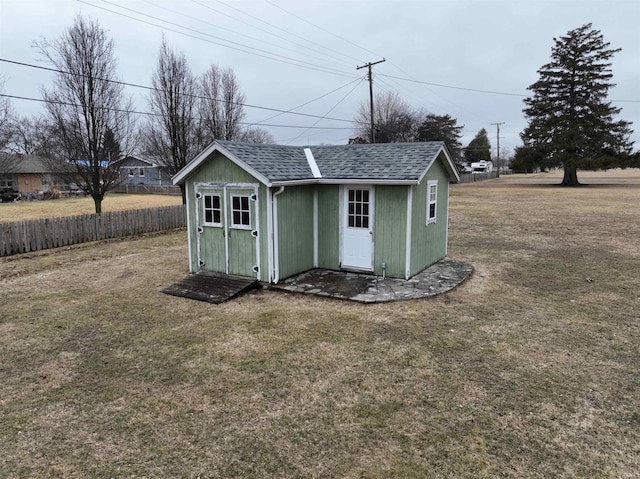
x=29 y=210
x=526 y=370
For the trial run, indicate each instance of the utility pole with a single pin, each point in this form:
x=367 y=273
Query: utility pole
x=369 y=65
x=498 y=141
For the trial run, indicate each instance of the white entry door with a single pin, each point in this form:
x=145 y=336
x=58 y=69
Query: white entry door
x=357 y=228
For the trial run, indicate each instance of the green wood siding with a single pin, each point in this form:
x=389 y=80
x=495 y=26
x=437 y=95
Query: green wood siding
x=328 y=226
x=295 y=230
x=242 y=257
x=428 y=242
x=390 y=230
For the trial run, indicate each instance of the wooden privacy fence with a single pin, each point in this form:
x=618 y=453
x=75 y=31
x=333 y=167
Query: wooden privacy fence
x=147 y=189
x=33 y=235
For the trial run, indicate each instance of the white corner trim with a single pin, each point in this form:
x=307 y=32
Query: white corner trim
x=270 y=234
x=312 y=163
x=276 y=245
x=315 y=226
x=407 y=270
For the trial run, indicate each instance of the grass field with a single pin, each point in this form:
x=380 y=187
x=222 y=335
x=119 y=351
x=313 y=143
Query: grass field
x=528 y=369
x=29 y=210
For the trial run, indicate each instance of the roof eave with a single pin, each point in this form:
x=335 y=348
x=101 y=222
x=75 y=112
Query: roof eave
x=345 y=181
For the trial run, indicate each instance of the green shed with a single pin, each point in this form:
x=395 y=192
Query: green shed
x=272 y=211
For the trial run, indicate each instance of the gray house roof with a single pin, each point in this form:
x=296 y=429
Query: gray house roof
x=391 y=163
x=26 y=164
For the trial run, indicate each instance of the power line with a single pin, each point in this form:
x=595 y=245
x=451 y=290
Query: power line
x=305 y=103
x=453 y=87
x=273 y=57
x=273 y=26
x=289 y=140
x=330 y=110
x=236 y=32
x=479 y=90
x=147 y=113
x=204 y=33
x=259 y=28
x=320 y=28
x=145 y=87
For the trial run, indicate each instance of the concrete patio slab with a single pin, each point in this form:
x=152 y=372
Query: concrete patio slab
x=439 y=278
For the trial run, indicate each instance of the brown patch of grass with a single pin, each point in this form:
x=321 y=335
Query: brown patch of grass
x=30 y=210
x=525 y=370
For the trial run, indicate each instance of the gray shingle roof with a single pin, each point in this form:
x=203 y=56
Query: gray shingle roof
x=26 y=164
x=391 y=161
x=275 y=162
x=388 y=161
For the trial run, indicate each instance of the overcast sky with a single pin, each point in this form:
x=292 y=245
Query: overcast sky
x=472 y=60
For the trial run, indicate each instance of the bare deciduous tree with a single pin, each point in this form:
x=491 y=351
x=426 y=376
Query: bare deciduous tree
x=32 y=136
x=256 y=135
x=394 y=119
x=6 y=118
x=221 y=106
x=84 y=103
x=172 y=134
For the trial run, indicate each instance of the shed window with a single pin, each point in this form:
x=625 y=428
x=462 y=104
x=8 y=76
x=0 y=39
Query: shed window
x=140 y=171
x=212 y=210
x=241 y=217
x=132 y=172
x=432 y=201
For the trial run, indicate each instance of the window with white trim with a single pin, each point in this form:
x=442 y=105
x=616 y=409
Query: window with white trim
x=132 y=171
x=140 y=171
x=212 y=210
x=358 y=214
x=432 y=201
x=240 y=212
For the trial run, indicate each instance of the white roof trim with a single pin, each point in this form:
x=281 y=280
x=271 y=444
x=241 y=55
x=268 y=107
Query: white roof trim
x=213 y=147
x=343 y=181
x=312 y=163
x=449 y=165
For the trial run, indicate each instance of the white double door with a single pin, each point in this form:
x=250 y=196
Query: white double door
x=357 y=227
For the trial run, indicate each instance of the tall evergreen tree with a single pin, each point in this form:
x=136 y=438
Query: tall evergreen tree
x=571 y=125
x=479 y=148
x=441 y=128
